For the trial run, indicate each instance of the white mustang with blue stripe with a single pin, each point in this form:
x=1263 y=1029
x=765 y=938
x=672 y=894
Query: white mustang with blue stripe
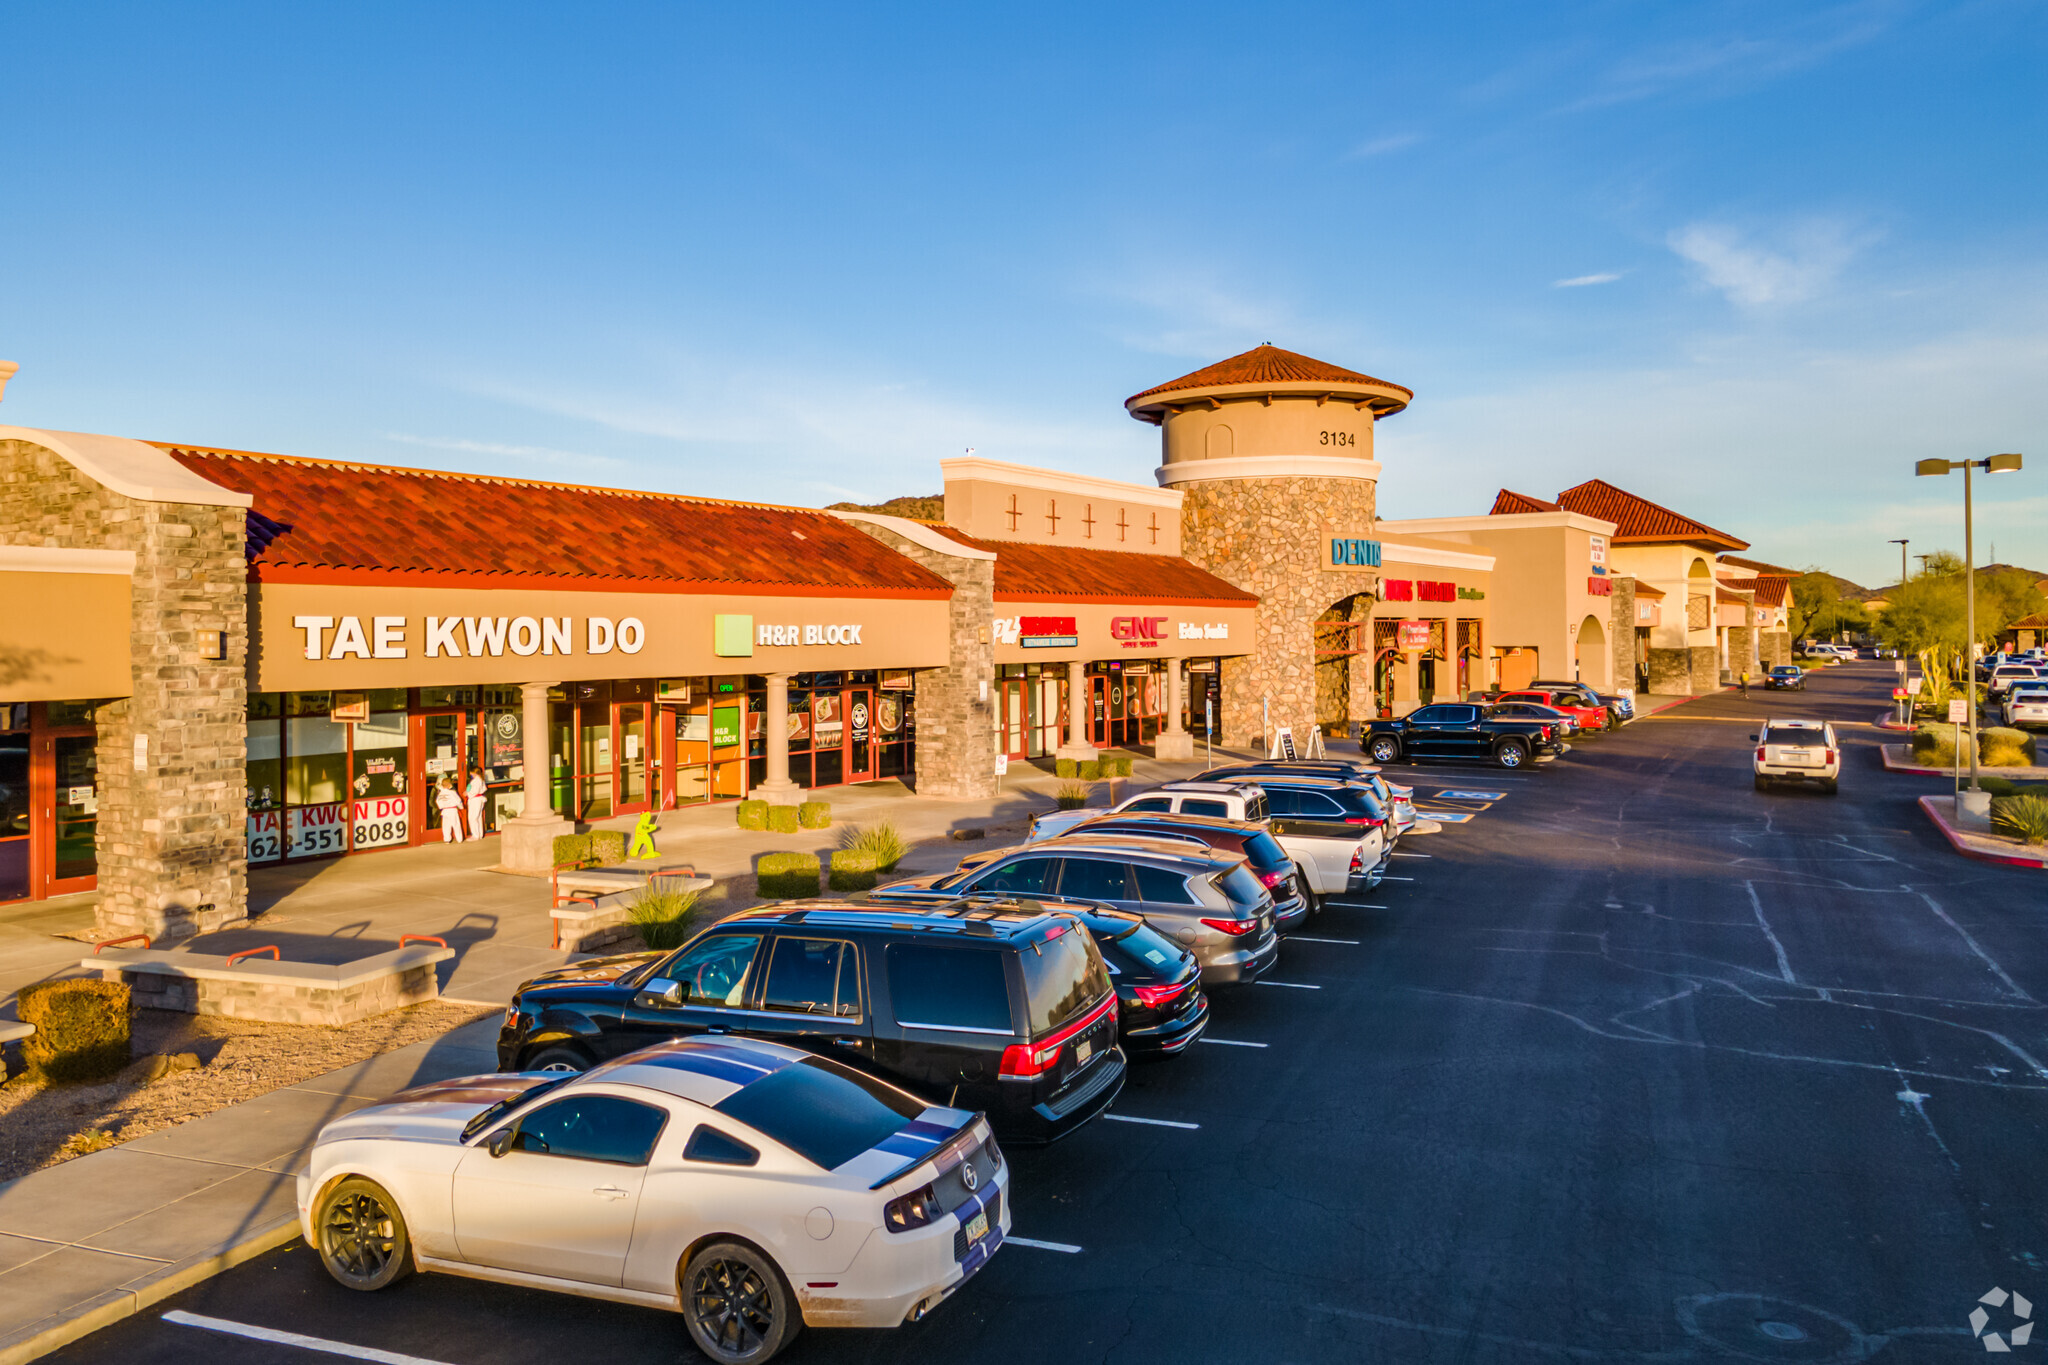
x=752 y=1187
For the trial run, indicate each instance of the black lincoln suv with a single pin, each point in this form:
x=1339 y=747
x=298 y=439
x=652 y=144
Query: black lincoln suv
x=999 y=1005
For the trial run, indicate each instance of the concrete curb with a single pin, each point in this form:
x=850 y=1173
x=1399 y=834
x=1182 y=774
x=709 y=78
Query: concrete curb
x=1977 y=846
x=1884 y=721
x=61 y=1329
x=1895 y=761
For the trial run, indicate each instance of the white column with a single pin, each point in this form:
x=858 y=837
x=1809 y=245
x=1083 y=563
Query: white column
x=1078 y=745
x=776 y=786
x=1174 y=742
x=528 y=842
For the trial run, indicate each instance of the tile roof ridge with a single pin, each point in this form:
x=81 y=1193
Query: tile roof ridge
x=501 y=480
x=1637 y=497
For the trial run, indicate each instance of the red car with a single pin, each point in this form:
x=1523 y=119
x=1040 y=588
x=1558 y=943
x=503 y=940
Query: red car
x=1588 y=717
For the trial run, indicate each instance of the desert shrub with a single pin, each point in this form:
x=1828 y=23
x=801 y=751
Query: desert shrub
x=607 y=846
x=2023 y=817
x=1089 y=771
x=572 y=850
x=2005 y=786
x=787 y=876
x=1070 y=795
x=814 y=814
x=1065 y=768
x=751 y=814
x=2000 y=747
x=853 y=869
x=661 y=912
x=880 y=839
x=1934 y=746
x=82 y=1028
x=1116 y=765
x=782 y=819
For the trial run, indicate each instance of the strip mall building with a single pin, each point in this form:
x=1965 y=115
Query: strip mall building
x=218 y=659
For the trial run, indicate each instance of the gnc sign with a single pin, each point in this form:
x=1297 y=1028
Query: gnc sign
x=1138 y=632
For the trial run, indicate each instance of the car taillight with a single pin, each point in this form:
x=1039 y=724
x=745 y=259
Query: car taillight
x=1152 y=997
x=1272 y=879
x=912 y=1210
x=1358 y=859
x=1021 y=1059
x=1369 y=821
x=1759 y=753
x=1236 y=928
x=1828 y=756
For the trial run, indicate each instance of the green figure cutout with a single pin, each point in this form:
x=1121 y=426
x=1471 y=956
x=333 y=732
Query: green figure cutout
x=643 y=838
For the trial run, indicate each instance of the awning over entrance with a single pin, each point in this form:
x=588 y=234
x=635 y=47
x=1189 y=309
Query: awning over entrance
x=64 y=633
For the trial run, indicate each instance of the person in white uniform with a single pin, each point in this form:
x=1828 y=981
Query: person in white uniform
x=478 y=791
x=448 y=801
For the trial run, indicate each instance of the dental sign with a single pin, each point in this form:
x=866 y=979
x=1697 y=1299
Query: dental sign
x=1348 y=553
x=467 y=637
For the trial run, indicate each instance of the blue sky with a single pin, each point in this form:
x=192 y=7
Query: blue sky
x=1750 y=260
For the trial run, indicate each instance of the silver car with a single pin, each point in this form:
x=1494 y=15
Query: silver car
x=1206 y=900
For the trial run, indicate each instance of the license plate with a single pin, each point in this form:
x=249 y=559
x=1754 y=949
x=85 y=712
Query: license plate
x=978 y=1227
x=1083 y=1050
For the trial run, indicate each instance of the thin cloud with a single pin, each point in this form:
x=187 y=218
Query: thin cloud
x=1381 y=146
x=1581 y=281
x=1737 y=60
x=537 y=454
x=1754 y=275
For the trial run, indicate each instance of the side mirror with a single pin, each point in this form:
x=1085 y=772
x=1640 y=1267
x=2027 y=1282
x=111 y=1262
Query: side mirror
x=1752 y=739
x=500 y=1142
x=661 y=991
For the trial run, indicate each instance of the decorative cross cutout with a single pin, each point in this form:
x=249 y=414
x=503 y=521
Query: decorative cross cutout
x=1155 y=528
x=1088 y=520
x=1123 y=523
x=1013 y=513
x=1052 y=516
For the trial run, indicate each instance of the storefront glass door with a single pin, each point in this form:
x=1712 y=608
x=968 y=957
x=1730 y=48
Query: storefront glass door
x=860 y=734
x=594 y=762
x=76 y=803
x=441 y=755
x=14 y=811
x=632 y=732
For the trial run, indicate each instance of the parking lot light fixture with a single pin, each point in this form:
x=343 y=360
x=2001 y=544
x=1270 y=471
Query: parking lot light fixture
x=1996 y=464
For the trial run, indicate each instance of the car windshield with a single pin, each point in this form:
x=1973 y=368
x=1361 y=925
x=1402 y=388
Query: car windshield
x=510 y=1102
x=1241 y=887
x=1063 y=978
x=1147 y=945
x=1797 y=737
x=826 y=1113
x=1263 y=850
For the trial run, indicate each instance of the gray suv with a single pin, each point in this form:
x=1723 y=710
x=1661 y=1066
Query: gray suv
x=1207 y=901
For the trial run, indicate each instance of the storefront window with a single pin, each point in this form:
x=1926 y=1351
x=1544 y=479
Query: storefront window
x=71 y=712
x=14 y=804
x=377 y=782
x=315 y=780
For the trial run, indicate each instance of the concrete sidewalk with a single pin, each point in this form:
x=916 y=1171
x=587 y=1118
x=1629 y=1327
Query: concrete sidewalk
x=104 y=1236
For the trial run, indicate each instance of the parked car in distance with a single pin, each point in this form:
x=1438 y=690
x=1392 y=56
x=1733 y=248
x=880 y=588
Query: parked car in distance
x=2026 y=704
x=1205 y=900
x=1249 y=839
x=1620 y=709
x=1785 y=677
x=1797 y=751
x=2005 y=675
x=1225 y=800
x=1460 y=730
x=1004 y=1007
x=1399 y=800
x=695 y=1176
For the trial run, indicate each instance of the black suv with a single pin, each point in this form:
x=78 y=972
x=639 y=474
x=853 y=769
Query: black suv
x=1002 y=1006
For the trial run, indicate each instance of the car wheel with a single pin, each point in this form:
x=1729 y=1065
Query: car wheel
x=1762 y=783
x=1832 y=786
x=363 y=1241
x=1309 y=897
x=558 y=1057
x=739 y=1308
x=1512 y=754
x=1385 y=749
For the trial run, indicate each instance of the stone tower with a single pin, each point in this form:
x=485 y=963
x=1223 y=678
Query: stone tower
x=1274 y=453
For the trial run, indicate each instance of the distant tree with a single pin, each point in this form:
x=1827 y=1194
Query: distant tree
x=917 y=509
x=1813 y=593
x=1931 y=608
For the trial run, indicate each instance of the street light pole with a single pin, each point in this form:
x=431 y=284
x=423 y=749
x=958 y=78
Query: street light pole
x=1902 y=544
x=1996 y=464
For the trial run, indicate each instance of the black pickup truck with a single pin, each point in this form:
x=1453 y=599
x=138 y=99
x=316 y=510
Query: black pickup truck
x=1458 y=730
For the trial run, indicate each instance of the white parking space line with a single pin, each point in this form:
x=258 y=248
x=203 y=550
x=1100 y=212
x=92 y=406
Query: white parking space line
x=1232 y=1042
x=1302 y=938
x=306 y=1343
x=1154 y=1123
x=1291 y=985
x=1414 y=855
x=1397 y=879
x=1017 y=1241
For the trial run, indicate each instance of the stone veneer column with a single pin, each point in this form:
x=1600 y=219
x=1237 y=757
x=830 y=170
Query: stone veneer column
x=1174 y=742
x=1266 y=535
x=526 y=842
x=1621 y=631
x=956 y=736
x=775 y=787
x=173 y=782
x=1358 y=669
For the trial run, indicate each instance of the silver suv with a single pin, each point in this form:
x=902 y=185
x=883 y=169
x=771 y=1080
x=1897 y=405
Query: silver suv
x=1206 y=900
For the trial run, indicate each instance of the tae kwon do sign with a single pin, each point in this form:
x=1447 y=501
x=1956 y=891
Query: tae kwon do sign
x=458 y=637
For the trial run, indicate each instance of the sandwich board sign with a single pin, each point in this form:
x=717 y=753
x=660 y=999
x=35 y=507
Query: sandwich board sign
x=1283 y=743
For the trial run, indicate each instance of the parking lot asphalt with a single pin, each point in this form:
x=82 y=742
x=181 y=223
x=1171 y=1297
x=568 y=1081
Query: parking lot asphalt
x=1641 y=1065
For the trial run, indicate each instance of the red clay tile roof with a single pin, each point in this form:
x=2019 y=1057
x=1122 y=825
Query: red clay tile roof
x=2034 y=622
x=1271 y=365
x=1724 y=595
x=1508 y=503
x=331 y=521
x=1739 y=584
x=1070 y=573
x=1770 y=591
x=1639 y=520
x=1758 y=566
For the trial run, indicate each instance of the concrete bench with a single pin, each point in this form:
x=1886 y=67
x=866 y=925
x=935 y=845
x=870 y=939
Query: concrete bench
x=280 y=992
x=605 y=880
x=599 y=918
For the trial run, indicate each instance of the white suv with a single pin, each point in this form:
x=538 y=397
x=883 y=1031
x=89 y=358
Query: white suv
x=2026 y=703
x=1797 y=751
